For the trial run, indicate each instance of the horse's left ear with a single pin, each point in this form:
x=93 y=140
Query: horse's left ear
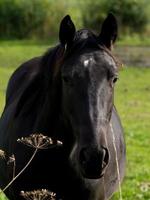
x=67 y=30
x=109 y=31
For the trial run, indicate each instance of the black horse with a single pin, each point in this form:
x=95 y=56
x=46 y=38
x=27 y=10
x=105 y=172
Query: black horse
x=66 y=94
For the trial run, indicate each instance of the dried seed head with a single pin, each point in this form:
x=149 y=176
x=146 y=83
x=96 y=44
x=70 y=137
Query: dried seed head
x=59 y=143
x=42 y=194
x=11 y=159
x=145 y=186
x=39 y=141
x=2 y=154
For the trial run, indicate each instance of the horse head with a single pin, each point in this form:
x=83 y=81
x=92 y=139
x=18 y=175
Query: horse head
x=88 y=75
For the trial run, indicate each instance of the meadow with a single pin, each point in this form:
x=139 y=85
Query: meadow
x=132 y=99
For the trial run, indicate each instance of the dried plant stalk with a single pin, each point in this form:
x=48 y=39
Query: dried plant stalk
x=28 y=163
x=12 y=160
x=36 y=141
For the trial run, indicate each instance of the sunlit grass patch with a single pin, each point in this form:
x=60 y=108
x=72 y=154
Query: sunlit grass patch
x=132 y=100
x=2 y=196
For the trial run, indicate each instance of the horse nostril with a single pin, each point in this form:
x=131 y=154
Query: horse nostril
x=105 y=157
x=93 y=161
x=83 y=157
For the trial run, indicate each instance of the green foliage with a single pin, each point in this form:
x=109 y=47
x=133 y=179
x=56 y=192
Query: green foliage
x=41 y=18
x=19 y=18
x=23 y=19
x=130 y=13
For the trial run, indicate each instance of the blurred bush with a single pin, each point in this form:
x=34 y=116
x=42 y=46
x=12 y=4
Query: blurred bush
x=130 y=13
x=41 y=18
x=30 y=18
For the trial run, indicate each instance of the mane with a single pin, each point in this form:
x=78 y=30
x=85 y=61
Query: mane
x=50 y=67
x=51 y=61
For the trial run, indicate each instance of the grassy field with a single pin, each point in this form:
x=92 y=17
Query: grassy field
x=132 y=99
x=133 y=102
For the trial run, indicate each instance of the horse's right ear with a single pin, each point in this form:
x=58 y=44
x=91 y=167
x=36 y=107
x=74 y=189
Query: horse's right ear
x=67 y=30
x=109 y=31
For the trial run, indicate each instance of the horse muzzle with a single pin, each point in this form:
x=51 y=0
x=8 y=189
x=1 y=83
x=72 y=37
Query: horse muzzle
x=93 y=162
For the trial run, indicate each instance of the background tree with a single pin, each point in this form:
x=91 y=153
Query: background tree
x=130 y=13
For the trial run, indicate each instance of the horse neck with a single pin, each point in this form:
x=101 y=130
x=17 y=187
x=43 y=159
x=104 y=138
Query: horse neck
x=50 y=112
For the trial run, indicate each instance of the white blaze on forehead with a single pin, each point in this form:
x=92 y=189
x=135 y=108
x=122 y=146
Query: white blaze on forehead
x=87 y=62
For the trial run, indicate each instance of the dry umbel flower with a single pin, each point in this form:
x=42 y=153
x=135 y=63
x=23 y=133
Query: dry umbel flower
x=39 y=141
x=36 y=141
x=11 y=159
x=42 y=194
x=2 y=154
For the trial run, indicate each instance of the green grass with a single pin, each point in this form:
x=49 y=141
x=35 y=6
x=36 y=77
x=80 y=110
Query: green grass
x=133 y=102
x=132 y=99
x=134 y=40
x=15 y=52
x=4 y=76
x=2 y=196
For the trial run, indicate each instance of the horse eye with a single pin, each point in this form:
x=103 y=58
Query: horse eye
x=67 y=80
x=114 y=80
